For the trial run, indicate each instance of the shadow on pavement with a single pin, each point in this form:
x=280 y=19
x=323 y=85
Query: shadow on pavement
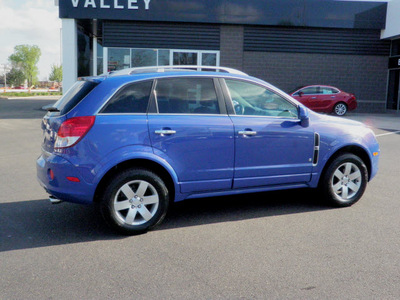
x=393 y=131
x=36 y=223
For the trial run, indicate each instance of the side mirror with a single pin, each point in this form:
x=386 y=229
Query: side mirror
x=304 y=116
x=301 y=94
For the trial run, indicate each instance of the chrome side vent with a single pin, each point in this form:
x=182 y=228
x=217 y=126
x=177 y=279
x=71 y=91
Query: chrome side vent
x=316 y=149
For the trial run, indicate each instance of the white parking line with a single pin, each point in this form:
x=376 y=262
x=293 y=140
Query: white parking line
x=389 y=133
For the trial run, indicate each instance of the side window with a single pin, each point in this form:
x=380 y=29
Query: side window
x=186 y=96
x=312 y=90
x=251 y=99
x=133 y=98
x=326 y=91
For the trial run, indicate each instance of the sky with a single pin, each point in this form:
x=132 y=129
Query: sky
x=32 y=22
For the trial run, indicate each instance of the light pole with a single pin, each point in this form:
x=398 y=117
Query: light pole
x=6 y=69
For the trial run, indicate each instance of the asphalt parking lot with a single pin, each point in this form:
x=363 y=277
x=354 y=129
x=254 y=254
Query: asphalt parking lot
x=278 y=245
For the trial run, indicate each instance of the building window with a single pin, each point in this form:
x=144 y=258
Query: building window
x=143 y=57
x=163 y=58
x=99 y=59
x=184 y=58
x=118 y=58
x=209 y=59
x=85 y=58
x=122 y=58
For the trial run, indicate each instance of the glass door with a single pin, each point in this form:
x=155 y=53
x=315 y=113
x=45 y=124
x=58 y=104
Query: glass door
x=393 y=90
x=113 y=59
x=194 y=58
x=188 y=58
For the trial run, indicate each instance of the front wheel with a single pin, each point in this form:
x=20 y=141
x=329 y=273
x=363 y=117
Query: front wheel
x=135 y=201
x=345 y=180
x=340 y=109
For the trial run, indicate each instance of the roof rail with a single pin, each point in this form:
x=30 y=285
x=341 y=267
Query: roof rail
x=161 y=69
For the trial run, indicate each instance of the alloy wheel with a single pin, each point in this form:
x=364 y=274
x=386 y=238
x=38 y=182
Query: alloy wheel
x=136 y=202
x=346 y=181
x=340 y=109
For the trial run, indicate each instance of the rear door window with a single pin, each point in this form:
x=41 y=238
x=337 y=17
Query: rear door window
x=326 y=91
x=74 y=95
x=187 y=96
x=133 y=98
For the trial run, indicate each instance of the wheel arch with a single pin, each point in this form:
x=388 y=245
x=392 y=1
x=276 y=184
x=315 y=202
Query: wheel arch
x=351 y=149
x=136 y=163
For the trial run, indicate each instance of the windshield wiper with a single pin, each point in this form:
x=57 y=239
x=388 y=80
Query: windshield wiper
x=51 y=108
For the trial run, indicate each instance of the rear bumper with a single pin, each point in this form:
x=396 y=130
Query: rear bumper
x=352 y=105
x=60 y=187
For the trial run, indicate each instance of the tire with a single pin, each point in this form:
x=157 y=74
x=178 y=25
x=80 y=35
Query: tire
x=345 y=180
x=340 y=109
x=135 y=201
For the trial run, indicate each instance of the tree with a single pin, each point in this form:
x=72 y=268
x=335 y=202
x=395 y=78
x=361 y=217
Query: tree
x=15 y=77
x=26 y=57
x=56 y=73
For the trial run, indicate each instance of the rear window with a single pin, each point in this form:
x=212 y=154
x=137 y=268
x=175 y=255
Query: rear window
x=74 y=95
x=133 y=98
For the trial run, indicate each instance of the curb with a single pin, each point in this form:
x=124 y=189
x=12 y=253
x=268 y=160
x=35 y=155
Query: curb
x=32 y=98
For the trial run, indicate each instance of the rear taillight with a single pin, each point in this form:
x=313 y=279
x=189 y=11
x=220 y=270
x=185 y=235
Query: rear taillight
x=73 y=130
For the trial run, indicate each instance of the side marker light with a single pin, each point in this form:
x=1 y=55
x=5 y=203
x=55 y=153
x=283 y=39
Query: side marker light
x=73 y=179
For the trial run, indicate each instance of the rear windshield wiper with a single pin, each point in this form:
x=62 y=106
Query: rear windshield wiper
x=51 y=108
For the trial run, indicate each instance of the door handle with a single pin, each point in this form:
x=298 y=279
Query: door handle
x=247 y=132
x=313 y=97
x=165 y=132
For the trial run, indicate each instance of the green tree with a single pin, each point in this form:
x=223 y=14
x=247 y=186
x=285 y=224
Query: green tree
x=56 y=73
x=15 y=77
x=26 y=57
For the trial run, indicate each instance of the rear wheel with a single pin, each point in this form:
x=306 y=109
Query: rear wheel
x=135 y=201
x=340 y=109
x=345 y=180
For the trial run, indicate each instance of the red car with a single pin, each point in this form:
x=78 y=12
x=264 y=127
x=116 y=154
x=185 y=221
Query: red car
x=324 y=98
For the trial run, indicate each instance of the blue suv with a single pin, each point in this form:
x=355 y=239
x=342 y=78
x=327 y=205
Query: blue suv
x=135 y=140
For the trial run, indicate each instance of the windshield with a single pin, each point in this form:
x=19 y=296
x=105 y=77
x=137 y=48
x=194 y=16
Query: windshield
x=74 y=95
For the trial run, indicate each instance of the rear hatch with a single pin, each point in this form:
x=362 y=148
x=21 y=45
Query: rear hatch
x=58 y=113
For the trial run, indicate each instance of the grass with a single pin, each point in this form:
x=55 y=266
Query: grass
x=27 y=94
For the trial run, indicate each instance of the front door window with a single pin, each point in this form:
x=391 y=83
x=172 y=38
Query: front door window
x=271 y=147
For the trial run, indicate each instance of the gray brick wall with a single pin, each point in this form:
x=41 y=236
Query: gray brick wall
x=365 y=76
x=231 y=46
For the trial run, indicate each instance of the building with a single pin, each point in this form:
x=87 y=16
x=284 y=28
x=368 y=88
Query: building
x=288 y=43
x=392 y=33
